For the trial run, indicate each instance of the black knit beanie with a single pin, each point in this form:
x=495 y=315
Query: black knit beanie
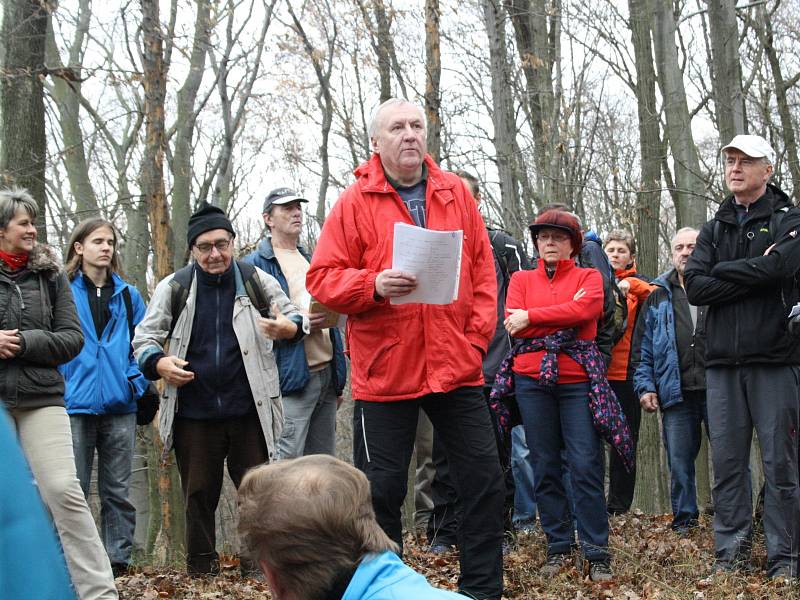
x=206 y=218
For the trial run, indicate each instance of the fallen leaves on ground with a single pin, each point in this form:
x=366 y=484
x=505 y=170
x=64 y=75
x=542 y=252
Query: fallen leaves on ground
x=650 y=562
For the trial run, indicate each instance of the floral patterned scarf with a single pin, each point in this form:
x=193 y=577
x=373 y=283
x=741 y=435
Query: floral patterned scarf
x=607 y=415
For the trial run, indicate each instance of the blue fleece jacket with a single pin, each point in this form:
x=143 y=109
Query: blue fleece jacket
x=386 y=577
x=104 y=378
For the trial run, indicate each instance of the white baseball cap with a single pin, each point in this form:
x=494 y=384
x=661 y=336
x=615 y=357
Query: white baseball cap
x=752 y=145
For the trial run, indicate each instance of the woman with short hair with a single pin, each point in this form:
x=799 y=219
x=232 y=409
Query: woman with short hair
x=39 y=330
x=620 y=247
x=557 y=373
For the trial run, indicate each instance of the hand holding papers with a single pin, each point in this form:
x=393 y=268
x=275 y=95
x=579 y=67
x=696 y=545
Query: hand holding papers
x=434 y=257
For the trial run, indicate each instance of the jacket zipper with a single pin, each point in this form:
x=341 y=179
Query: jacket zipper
x=216 y=349
x=21 y=300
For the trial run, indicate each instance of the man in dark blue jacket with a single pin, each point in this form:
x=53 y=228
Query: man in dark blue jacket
x=744 y=268
x=312 y=371
x=670 y=342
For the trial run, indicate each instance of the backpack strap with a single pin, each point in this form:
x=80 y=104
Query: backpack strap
x=253 y=288
x=179 y=287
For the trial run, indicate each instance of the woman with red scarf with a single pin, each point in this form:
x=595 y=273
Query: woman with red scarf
x=620 y=248
x=558 y=374
x=39 y=330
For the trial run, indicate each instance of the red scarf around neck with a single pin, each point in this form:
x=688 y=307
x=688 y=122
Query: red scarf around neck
x=15 y=261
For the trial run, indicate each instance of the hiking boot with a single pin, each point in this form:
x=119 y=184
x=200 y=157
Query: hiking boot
x=600 y=571
x=554 y=564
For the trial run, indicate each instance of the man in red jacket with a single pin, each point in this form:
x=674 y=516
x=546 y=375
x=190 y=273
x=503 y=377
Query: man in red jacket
x=410 y=356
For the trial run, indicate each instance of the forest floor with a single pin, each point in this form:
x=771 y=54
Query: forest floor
x=649 y=562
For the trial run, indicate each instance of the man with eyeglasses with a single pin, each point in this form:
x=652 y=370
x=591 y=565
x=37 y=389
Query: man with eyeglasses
x=744 y=268
x=221 y=399
x=313 y=371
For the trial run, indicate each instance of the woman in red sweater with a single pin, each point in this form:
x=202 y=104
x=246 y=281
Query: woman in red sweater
x=554 y=309
x=620 y=248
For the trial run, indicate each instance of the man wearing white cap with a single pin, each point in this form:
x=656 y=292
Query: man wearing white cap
x=743 y=267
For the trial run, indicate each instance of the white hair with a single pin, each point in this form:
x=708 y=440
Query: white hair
x=683 y=230
x=374 y=120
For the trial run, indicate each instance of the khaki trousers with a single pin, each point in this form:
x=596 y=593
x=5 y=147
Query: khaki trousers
x=46 y=440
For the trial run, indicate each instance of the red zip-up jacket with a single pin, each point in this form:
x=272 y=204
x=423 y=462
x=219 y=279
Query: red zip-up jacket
x=551 y=307
x=398 y=352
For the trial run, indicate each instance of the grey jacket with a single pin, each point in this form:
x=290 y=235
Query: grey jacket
x=39 y=304
x=257 y=355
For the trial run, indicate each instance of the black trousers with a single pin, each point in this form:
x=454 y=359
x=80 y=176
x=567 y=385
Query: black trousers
x=622 y=483
x=383 y=441
x=201 y=448
x=443 y=521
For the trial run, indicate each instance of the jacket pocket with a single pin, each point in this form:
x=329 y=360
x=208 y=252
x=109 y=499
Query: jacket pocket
x=40 y=380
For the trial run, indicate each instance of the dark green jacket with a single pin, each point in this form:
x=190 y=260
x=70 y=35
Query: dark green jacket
x=39 y=304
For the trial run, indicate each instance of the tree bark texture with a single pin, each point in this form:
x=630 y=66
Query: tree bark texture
x=185 y=122
x=433 y=74
x=151 y=181
x=23 y=152
x=726 y=69
x=535 y=26
x=151 y=178
x=66 y=91
x=648 y=197
x=690 y=188
x=767 y=37
x=505 y=130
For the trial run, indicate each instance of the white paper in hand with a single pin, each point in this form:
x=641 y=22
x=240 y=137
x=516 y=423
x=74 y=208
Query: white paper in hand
x=434 y=257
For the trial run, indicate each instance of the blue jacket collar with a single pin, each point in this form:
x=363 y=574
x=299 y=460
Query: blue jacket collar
x=119 y=284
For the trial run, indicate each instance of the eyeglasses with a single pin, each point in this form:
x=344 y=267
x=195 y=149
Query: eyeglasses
x=220 y=245
x=556 y=236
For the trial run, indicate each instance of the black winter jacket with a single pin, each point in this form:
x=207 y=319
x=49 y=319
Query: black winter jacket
x=749 y=295
x=51 y=335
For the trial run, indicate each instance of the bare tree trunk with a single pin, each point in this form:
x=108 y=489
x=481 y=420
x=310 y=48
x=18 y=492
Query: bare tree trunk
x=535 y=29
x=648 y=198
x=763 y=27
x=726 y=69
x=66 y=92
x=690 y=197
x=505 y=130
x=151 y=179
x=433 y=74
x=23 y=151
x=181 y=164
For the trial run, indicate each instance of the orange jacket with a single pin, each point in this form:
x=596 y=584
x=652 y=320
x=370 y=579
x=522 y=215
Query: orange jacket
x=405 y=351
x=551 y=307
x=620 y=353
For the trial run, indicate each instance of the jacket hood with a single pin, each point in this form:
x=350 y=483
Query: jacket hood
x=43 y=259
x=773 y=199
